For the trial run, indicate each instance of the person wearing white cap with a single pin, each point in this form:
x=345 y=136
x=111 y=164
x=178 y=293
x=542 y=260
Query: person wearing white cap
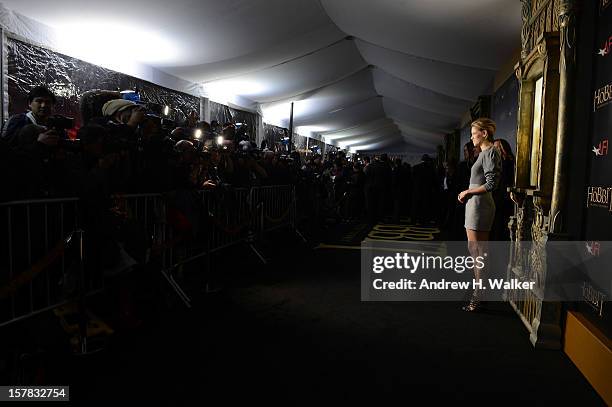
x=121 y=111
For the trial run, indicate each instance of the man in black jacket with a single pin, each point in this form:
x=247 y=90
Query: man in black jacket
x=41 y=102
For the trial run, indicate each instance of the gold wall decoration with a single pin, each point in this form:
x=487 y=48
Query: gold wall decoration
x=526 y=27
x=539 y=17
x=567 y=67
x=548 y=58
x=520 y=231
x=537 y=117
x=538 y=76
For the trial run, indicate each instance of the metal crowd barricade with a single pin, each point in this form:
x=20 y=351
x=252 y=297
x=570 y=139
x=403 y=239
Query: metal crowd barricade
x=230 y=215
x=147 y=214
x=36 y=274
x=150 y=217
x=276 y=206
x=145 y=209
x=217 y=220
x=225 y=218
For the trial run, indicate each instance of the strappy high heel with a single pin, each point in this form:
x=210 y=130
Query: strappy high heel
x=473 y=304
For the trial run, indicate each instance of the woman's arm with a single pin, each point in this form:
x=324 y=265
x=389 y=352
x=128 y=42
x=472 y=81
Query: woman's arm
x=472 y=191
x=477 y=190
x=491 y=166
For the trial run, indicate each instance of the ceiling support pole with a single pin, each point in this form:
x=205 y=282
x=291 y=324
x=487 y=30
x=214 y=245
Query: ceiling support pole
x=290 y=129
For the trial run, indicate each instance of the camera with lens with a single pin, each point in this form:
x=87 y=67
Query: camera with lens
x=59 y=124
x=116 y=141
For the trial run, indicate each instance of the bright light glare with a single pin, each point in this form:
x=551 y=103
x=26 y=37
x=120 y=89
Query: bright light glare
x=334 y=136
x=225 y=91
x=371 y=146
x=309 y=130
x=198 y=134
x=220 y=140
x=277 y=115
x=361 y=140
x=345 y=144
x=166 y=110
x=109 y=43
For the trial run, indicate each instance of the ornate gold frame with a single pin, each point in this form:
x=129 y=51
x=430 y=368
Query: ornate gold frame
x=531 y=221
x=542 y=61
x=549 y=51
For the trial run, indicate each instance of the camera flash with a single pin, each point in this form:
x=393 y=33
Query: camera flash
x=166 y=110
x=220 y=140
x=198 y=133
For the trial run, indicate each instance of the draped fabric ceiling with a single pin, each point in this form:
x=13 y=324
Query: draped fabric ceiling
x=365 y=75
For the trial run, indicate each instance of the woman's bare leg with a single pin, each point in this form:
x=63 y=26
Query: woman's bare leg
x=477 y=246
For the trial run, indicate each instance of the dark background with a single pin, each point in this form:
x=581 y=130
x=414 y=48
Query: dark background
x=504 y=110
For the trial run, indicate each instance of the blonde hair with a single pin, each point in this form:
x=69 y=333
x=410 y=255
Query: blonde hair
x=484 y=123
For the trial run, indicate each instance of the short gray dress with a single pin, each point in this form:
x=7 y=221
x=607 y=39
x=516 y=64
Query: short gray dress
x=480 y=209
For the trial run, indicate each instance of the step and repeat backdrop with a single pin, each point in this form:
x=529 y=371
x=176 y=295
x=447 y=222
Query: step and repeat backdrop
x=599 y=190
x=598 y=194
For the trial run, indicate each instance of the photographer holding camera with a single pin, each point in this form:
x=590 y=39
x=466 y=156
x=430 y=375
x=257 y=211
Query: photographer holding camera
x=123 y=118
x=40 y=148
x=41 y=102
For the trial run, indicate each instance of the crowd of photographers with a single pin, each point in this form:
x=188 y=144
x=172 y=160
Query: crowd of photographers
x=127 y=150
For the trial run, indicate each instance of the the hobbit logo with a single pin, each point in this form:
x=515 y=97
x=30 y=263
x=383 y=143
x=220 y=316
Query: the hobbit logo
x=599 y=196
x=594 y=297
x=602 y=96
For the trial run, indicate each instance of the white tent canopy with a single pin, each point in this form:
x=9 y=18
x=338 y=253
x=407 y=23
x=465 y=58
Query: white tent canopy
x=369 y=75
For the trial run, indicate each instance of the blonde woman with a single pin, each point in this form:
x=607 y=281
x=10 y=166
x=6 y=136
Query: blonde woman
x=479 y=204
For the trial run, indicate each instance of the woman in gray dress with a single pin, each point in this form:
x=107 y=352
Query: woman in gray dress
x=479 y=204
